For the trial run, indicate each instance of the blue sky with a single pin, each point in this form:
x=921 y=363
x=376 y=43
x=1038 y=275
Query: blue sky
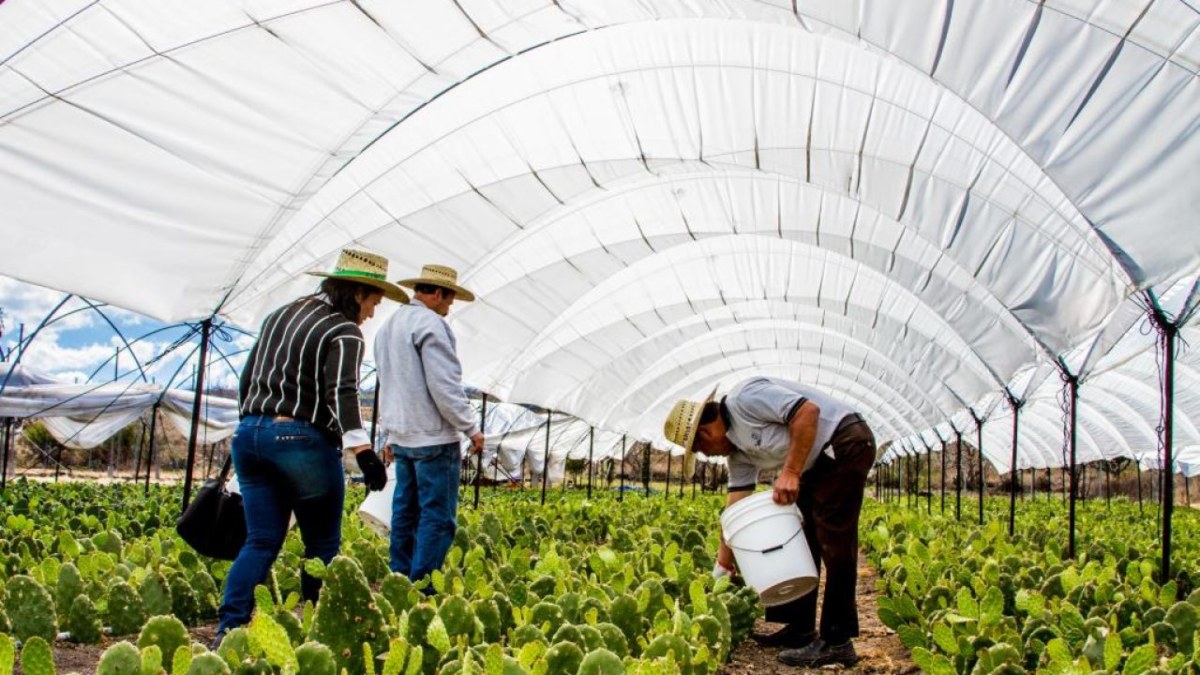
x=73 y=348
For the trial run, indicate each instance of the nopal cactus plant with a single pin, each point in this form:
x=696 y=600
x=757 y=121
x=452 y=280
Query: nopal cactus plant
x=69 y=586
x=208 y=664
x=347 y=616
x=125 y=612
x=165 y=632
x=36 y=657
x=83 y=621
x=315 y=659
x=120 y=659
x=30 y=609
x=156 y=595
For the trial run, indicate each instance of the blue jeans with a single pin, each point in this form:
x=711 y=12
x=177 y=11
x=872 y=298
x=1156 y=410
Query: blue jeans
x=282 y=468
x=424 y=507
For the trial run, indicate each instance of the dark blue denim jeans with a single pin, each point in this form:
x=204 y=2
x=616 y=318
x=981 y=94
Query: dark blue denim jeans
x=282 y=468
x=424 y=507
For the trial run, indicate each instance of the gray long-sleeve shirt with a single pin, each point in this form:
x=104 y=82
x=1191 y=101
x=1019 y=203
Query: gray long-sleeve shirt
x=421 y=397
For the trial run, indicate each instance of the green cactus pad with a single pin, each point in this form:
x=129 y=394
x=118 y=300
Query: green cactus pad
x=165 y=632
x=120 y=659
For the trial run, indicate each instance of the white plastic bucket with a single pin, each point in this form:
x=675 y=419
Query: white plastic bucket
x=376 y=509
x=768 y=542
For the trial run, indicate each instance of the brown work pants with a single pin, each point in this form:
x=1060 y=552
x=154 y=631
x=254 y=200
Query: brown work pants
x=831 y=496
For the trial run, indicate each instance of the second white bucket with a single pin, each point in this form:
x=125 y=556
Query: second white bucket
x=376 y=509
x=768 y=542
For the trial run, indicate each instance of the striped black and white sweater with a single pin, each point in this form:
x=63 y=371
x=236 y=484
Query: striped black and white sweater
x=305 y=366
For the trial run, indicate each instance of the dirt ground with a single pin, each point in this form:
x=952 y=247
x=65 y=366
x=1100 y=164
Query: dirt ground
x=879 y=650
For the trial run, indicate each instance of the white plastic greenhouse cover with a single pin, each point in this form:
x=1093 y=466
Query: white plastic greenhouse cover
x=85 y=415
x=908 y=204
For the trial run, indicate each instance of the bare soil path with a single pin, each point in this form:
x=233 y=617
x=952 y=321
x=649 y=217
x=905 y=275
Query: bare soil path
x=879 y=649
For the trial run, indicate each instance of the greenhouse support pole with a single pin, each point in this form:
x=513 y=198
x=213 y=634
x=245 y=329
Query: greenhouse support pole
x=1108 y=487
x=375 y=414
x=1014 y=475
x=667 y=490
x=591 y=449
x=8 y=425
x=141 y=450
x=682 y=472
x=205 y=335
x=546 y=459
x=979 y=448
x=702 y=467
x=621 y=493
x=646 y=476
x=958 y=477
x=479 y=457
x=150 y=446
x=1073 y=399
x=942 y=482
x=1169 y=334
x=928 y=476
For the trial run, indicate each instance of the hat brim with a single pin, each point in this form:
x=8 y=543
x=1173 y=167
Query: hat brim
x=460 y=293
x=390 y=291
x=689 y=452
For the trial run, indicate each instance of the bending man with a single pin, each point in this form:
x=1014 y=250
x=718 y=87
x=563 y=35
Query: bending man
x=822 y=451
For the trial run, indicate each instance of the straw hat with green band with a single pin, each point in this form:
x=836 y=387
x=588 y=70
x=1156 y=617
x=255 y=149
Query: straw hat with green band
x=682 y=423
x=367 y=269
x=442 y=277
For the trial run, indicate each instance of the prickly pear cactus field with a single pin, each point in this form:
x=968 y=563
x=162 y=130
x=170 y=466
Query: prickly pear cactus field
x=966 y=598
x=576 y=586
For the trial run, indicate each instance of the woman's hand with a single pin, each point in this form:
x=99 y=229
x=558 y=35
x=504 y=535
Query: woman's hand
x=374 y=473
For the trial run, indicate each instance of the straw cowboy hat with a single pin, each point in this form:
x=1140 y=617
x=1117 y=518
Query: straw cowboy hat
x=364 y=268
x=682 y=424
x=442 y=277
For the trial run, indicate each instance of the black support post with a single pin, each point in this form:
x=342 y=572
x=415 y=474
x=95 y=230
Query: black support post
x=958 y=477
x=591 y=449
x=478 y=458
x=928 y=476
x=1014 y=475
x=667 y=489
x=150 y=446
x=546 y=459
x=1170 y=333
x=621 y=493
x=8 y=425
x=205 y=336
x=942 y=482
x=375 y=413
x=979 y=450
x=1072 y=383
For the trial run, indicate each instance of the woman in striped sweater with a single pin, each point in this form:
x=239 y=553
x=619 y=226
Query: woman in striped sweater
x=300 y=410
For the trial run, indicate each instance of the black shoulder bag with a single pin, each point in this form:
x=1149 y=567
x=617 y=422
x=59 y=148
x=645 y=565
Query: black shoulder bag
x=214 y=523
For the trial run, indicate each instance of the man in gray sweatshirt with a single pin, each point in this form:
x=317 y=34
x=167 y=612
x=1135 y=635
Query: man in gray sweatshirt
x=423 y=412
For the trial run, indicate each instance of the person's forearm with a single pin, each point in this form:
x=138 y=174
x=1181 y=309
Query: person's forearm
x=802 y=431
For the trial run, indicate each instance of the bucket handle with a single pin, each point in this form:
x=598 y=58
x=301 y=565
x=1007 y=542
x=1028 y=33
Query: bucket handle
x=773 y=548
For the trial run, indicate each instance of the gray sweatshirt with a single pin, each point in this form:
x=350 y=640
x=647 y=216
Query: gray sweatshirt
x=421 y=397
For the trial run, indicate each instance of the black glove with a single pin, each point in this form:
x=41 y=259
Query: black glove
x=374 y=474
